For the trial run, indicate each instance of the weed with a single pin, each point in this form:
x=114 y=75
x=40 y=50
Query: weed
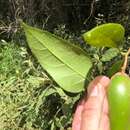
x=28 y=98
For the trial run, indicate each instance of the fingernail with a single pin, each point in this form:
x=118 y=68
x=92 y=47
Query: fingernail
x=105 y=81
x=94 y=91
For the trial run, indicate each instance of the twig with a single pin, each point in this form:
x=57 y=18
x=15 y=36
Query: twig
x=123 y=68
x=91 y=12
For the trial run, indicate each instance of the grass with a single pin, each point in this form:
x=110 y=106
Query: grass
x=29 y=100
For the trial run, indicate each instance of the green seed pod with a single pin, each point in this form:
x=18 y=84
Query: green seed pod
x=119 y=102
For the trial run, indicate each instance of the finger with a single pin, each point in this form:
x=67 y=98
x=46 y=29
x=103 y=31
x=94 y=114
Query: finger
x=104 y=124
x=99 y=79
x=93 y=107
x=77 y=116
x=104 y=81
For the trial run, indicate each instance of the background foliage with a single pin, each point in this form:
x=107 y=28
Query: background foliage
x=29 y=99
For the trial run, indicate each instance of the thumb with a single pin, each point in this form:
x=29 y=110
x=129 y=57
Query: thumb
x=94 y=113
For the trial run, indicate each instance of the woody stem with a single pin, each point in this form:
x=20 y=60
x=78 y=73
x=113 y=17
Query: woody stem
x=123 y=68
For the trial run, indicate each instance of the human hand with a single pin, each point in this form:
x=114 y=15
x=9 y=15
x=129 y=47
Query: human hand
x=92 y=111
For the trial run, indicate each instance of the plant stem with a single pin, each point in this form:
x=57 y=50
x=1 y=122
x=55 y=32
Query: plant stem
x=123 y=68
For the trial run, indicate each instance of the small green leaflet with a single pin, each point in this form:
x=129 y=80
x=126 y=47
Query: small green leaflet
x=67 y=64
x=116 y=67
x=105 y=35
x=110 y=54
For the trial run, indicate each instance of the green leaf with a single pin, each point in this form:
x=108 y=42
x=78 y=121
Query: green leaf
x=105 y=35
x=110 y=54
x=67 y=64
x=116 y=67
x=100 y=67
